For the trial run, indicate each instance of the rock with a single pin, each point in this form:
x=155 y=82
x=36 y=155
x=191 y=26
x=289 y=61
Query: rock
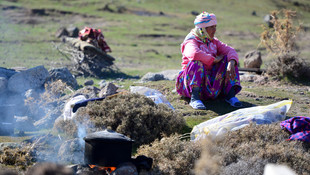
x=72 y=151
x=87 y=91
x=164 y=75
x=152 y=77
x=30 y=79
x=109 y=89
x=62 y=32
x=64 y=75
x=88 y=82
x=253 y=59
x=170 y=74
x=7 y=73
x=195 y=13
x=73 y=32
x=3 y=84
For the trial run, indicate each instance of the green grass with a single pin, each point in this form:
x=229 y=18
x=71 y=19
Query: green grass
x=28 y=45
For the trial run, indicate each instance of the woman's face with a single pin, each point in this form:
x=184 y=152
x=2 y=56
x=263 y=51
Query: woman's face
x=211 y=30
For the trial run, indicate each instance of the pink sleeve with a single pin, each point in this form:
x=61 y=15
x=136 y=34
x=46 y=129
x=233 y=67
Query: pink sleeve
x=224 y=49
x=191 y=50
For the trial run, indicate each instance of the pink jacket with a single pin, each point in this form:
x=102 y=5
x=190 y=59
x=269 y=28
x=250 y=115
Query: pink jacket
x=193 y=48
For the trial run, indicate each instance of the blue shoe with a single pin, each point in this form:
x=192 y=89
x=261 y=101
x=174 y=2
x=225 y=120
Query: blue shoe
x=197 y=104
x=234 y=102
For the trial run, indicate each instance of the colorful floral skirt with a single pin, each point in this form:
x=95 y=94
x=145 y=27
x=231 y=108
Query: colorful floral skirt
x=213 y=83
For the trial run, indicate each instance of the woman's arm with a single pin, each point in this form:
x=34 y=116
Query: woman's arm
x=224 y=49
x=192 y=51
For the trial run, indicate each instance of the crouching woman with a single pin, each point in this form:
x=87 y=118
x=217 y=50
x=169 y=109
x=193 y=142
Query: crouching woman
x=209 y=66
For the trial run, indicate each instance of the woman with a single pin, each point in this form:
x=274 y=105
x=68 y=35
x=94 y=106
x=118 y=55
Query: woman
x=210 y=67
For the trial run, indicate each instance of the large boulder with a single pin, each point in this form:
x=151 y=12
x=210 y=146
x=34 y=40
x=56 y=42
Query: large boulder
x=64 y=75
x=253 y=59
x=29 y=79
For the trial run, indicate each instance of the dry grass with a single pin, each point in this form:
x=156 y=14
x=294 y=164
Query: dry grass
x=281 y=43
x=256 y=145
x=171 y=156
x=133 y=115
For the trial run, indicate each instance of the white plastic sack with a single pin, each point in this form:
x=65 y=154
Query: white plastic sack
x=68 y=114
x=240 y=118
x=155 y=95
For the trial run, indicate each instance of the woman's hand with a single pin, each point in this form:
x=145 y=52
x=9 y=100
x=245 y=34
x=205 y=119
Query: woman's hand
x=218 y=59
x=230 y=71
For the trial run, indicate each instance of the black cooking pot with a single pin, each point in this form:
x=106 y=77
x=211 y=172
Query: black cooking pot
x=107 y=148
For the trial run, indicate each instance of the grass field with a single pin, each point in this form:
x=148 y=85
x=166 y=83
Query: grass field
x=26 y=39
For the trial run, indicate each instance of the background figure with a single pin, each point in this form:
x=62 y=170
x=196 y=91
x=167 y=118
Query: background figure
x=209 y=66
x=94 y=37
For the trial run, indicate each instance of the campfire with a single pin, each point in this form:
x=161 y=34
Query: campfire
x=101 y=168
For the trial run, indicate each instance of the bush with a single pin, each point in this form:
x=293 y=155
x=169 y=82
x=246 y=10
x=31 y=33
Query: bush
x=259 y=145
x=133 y=115
x=171 y=155
x=281 y=43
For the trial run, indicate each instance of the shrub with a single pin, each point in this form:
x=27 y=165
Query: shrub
x=133 y=115
x=171 y=155
x=281 y=43
x=259 y=145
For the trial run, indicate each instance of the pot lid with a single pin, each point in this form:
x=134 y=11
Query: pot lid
x=107 y=135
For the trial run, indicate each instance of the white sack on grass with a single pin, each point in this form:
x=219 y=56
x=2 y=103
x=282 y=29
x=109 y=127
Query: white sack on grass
x=155 y=95
x=238 y=119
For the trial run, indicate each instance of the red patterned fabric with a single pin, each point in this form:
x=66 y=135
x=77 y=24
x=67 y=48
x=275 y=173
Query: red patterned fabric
x=299 y=127
x=94 y=37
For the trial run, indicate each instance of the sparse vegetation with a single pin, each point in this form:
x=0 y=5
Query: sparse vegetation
x=281 y=43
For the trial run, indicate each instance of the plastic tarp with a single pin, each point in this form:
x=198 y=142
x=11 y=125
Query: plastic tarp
x=238 y=119
x=155 y=95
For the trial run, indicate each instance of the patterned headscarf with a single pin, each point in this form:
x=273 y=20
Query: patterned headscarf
x=201 y=22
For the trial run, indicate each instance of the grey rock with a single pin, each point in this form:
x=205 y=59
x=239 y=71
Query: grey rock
x=152 y=77
x=88 y=82
x=4 y=72
x=253 y=59
x=64 y=75
x=109 y=89
x=170 y=74
x=87 y=91
x=163 y=75
x=3 y=84
x=30 y=79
